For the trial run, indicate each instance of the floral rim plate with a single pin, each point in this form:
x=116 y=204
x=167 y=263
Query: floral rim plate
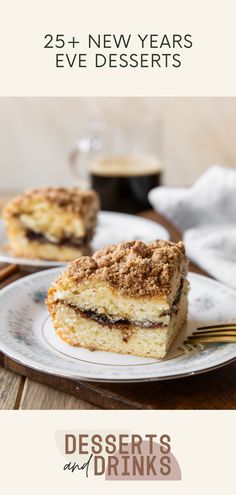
x=27 y=336
x=112 y=228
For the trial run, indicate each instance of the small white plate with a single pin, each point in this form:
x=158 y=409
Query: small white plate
x=27 y=335
x=112 y=228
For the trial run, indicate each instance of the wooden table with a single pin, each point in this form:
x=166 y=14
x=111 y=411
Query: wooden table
x=24 y=388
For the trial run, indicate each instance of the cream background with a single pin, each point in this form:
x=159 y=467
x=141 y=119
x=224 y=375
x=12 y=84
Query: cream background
x=27 y=69
x=203 y=443
x=36 y=135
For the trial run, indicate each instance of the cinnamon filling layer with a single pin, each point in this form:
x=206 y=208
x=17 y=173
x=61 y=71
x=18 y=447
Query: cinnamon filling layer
x=66 y=241
x=110 y=322
x=107 y=320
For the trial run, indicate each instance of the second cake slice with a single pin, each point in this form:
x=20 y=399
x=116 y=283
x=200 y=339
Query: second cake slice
x=53 y=223
x=130 y=298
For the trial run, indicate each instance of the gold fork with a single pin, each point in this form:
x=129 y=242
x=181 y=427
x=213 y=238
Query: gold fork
x=210 y=334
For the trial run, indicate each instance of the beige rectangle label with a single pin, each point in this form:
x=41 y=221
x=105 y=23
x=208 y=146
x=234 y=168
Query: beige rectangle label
x=34 y=459
x=207 y=62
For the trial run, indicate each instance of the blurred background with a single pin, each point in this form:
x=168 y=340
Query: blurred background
x=37 y=135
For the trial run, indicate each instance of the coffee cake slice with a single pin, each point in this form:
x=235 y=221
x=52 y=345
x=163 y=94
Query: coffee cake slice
x=51 y=223
x=130 y=298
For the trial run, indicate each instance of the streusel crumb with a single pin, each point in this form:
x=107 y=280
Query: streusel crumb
x=72 y=199
x=133 y=268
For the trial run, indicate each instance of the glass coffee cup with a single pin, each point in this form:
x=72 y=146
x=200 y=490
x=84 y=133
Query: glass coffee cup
x=121 y=163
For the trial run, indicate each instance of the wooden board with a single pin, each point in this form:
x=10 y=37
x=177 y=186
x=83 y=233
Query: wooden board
x=214 y=390
x=36 y=395
x=9 y=389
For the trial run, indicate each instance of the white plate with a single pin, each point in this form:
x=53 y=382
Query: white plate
x=112 y=228
x=27 y=335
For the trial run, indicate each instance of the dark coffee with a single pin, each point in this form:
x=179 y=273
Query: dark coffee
x=124 y=185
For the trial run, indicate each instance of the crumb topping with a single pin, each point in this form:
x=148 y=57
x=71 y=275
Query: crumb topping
x=133 y=268
x=72 y=199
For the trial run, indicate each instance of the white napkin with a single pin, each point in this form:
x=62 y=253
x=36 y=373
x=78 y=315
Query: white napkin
x=206 y=215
